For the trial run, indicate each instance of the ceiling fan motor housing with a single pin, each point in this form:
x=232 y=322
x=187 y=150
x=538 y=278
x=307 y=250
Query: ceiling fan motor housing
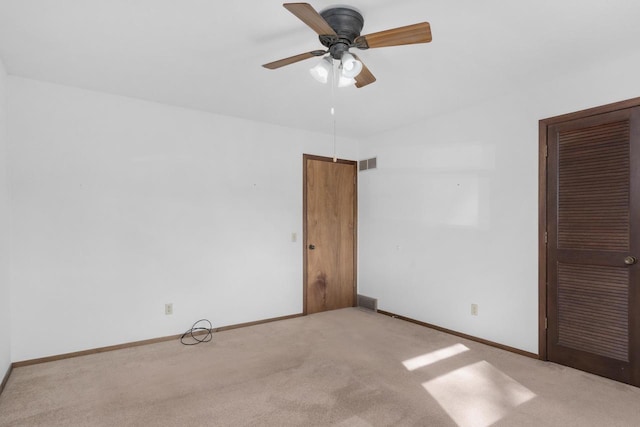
x=347 y=23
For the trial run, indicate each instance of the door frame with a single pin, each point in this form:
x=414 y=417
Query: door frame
x=543 y=125
x=305 y=158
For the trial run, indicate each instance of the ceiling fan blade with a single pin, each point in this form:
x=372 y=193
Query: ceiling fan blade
x=416 y=33
x=365 y=77
x=293 y=59
x=307 y=14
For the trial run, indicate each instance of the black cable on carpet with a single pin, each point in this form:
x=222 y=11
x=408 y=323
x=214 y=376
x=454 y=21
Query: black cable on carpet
x=196 y=332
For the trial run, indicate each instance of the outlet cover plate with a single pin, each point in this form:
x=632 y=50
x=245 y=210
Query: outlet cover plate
x=474 y=309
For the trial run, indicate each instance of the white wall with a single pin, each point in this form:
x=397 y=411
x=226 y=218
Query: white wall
x=450 y=216
x=122 y=206
x=5 y=320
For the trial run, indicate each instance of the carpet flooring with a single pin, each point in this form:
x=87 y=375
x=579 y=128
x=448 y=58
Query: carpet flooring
x=342 y=368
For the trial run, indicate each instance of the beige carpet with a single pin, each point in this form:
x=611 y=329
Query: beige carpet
x=342 y=368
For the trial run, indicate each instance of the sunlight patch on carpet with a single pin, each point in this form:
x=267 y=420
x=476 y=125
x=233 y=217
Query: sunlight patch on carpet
x=434 y=356
x=477 y=395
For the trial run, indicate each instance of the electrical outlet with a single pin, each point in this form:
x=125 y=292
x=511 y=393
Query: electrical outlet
x=168 y=308
x=474 y=309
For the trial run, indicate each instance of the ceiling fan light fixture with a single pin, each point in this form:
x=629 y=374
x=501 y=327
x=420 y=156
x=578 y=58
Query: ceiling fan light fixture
x=346 y=81
x=339 y=29
x=321 y=71
x=351 y=67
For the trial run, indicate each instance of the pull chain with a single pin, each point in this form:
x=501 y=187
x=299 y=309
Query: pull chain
x=334 y=83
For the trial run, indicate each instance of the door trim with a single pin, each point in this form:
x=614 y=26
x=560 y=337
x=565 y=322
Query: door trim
x=305 y=158
x=543 y=125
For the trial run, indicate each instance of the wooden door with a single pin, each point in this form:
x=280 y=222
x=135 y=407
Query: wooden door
x=330 y=197
x=593 y=225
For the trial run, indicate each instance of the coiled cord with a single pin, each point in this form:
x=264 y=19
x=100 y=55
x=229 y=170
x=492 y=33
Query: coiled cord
x=196 y=331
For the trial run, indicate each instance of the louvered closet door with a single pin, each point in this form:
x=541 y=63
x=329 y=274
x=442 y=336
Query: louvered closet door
x=593 y=239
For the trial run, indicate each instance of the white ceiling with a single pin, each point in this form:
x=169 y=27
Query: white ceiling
x=207 y=54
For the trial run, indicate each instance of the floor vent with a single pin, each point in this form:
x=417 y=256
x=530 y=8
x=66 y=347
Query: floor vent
x=367 y=303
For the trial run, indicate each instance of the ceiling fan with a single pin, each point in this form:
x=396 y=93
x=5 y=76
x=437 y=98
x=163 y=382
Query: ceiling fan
x=339 y=29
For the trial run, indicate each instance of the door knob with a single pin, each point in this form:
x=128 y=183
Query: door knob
x=630 y=260
x=312 y=247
